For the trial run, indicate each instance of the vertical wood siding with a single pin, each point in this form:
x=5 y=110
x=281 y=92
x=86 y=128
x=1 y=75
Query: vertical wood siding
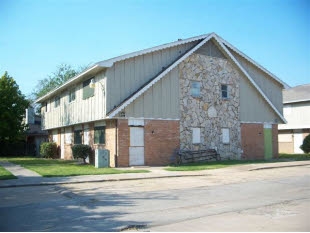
x=253 y=108
x=160 y=101
x=127 y=76
x=271 y=88
x=79 y=110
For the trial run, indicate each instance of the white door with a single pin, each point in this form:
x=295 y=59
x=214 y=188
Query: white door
x=62 y=145
x=86 y=137
x=298 y=140
x=136 y=148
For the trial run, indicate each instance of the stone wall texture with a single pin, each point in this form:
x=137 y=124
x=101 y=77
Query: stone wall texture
x=210 y=112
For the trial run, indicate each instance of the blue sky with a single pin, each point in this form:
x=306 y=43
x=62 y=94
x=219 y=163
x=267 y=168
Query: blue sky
x=37 y=36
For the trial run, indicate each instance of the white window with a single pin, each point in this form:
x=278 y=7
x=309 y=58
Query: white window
x=196 y=135
x=225 y=135
x=195 y=89
x=224 y=90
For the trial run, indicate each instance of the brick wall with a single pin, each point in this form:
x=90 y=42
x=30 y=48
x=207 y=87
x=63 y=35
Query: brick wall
x=122 y=143
x=161 y=138
x=275 y=144
x=252 y=140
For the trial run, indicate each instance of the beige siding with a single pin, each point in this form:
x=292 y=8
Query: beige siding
x=160 y=101
x=253 y=108
x=79 y=110
x=271 y=88
x=297 y=115
x=127 y=76
x=210 y=49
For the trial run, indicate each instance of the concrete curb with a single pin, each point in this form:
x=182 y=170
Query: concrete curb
x=94 y=181
x=274 y=167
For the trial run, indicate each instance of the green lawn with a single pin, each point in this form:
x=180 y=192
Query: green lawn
x=222 y=164
x=6 y=175
x=56 y=168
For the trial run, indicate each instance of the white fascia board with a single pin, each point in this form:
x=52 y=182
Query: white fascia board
x=285 y=85
x=66 y=84
x=161 y=75
x=250 y=79
x=296 y=101
x=290 y=126
x=108 y=63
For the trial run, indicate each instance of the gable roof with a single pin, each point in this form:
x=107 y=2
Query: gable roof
x=202 y=39
x=299 y=93
x=223 y=45
x=109 y=63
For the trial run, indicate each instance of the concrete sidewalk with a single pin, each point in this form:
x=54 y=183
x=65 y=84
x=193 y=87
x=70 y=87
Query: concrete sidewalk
x=26 y=177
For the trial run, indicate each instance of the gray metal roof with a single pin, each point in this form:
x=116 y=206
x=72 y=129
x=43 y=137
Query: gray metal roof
x=297 y=94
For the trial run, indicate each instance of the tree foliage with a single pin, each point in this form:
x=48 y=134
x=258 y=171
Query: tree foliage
x=63 y=73
x=13 y=105
x=306 y=145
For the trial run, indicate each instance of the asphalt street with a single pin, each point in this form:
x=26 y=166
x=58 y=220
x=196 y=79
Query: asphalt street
x=224 y=200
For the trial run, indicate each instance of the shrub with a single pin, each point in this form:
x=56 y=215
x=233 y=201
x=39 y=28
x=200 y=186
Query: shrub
x=81 y=151
x=306 y=144
x=48 y=149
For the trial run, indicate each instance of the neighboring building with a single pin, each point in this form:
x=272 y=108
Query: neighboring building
x=195 y=93
x=296 y=109
x=34 y=135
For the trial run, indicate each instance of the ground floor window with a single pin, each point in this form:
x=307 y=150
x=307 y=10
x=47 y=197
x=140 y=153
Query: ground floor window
x=99 y=135
x=78 y=137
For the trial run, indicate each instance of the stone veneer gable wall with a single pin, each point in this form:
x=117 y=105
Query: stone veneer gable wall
x=210 y=112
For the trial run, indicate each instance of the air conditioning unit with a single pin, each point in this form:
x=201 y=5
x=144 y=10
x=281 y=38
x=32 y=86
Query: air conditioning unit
x=102 y=158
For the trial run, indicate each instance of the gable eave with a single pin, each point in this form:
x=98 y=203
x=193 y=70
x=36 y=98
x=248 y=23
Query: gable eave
x=110 y=62
x=228 y=53
x=129 y=100
x=278 y=80
x=93 y=69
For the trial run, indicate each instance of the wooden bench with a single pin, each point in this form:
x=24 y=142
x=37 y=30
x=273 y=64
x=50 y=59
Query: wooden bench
x=190 y=156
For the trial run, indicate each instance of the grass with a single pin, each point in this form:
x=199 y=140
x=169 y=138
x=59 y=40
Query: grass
x=60 y=168
x=294 y=157
x=6 y=175
x=227 y=163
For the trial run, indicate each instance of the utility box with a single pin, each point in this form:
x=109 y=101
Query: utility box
x=102 y=158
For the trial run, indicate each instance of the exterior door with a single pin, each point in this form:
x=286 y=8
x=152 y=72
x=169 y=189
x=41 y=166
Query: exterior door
x=268 y=141
x=298 y=140
x=136 y=148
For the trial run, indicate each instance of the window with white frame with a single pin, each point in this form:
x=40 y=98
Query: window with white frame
x=195 y=89
x=224 y=91
x=196 y=135
x=225 y=136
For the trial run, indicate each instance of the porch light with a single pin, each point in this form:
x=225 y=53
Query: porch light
x=92 y=83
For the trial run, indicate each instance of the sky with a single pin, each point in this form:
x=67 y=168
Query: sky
x=39 y=35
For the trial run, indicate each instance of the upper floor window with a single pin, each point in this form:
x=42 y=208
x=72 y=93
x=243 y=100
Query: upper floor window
x=195 y=89
x=87 y=90
x=57 y=101
x=224 y=90
x=72 y=95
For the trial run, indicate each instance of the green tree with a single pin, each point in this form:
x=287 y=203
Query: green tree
x=63 y=73
x=13 y=105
